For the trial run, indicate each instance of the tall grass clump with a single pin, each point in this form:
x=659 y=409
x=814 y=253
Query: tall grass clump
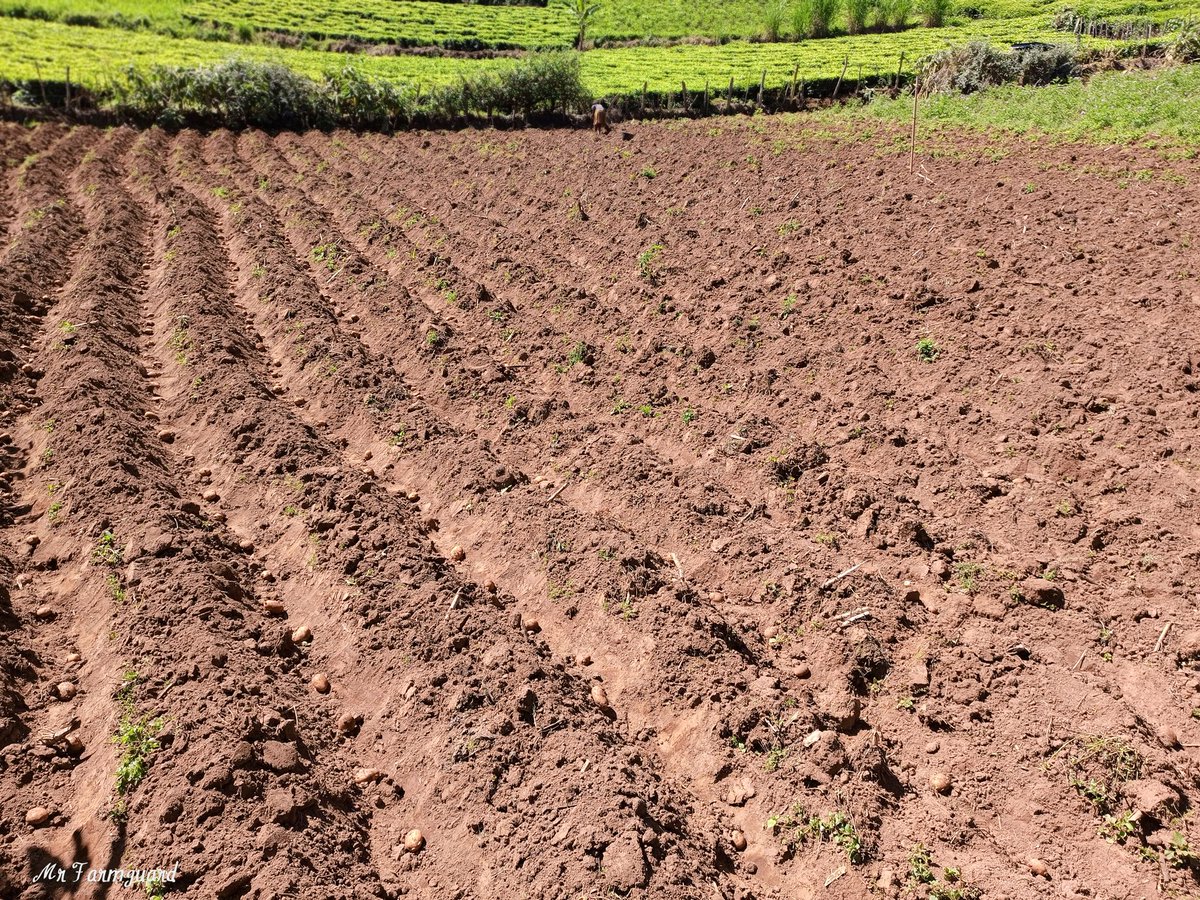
x=933 y=13
x=893 y=15
x=773 y=19
x=814 y=18
x=1185 y=46
x=857 y=13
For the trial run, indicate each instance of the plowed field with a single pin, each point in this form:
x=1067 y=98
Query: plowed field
x=714 y=512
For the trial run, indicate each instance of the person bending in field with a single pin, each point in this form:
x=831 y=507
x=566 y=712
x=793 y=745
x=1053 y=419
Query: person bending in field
x=600 y=117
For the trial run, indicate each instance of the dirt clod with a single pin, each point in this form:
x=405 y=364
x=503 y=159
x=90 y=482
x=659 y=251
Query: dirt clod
x=281 y=756
x=1041 y=592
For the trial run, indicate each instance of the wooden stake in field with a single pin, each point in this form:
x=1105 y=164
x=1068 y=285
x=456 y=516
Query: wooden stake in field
x=795 y=72
x=729 y=96
x=762 y=86
x=67 y=99
x=837 y=87
x=704 y=109
x=643 y=106
x=912 y=150
x=899 y=70
x=41 y=84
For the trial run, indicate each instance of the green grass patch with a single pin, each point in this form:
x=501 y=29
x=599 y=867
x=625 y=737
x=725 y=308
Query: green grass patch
x=1153 y=107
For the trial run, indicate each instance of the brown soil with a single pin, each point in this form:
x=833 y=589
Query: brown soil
x=438 y=398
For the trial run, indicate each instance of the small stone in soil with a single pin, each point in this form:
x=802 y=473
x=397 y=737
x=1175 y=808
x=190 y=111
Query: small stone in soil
x=1168 y=737
x=414 y=841
x=599 y=696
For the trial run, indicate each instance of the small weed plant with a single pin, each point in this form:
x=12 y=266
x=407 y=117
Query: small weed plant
x=137 y=740
x=799 y=827
x=106 y=551
x=648 y=263
x=927 y=350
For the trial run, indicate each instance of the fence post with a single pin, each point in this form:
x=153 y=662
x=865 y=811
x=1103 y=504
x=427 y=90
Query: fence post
x=795 y=72
x=912 y=151
x=762 y=85
x=41 y=84
x=705 y=108
x=837 y=87
x=729 y=96
x=899 y=69
x=643 y=107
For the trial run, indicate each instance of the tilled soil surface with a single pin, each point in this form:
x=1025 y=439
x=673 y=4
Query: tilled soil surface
x=709 y=511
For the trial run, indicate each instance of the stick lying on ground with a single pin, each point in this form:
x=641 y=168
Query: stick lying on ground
x=840 y=575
